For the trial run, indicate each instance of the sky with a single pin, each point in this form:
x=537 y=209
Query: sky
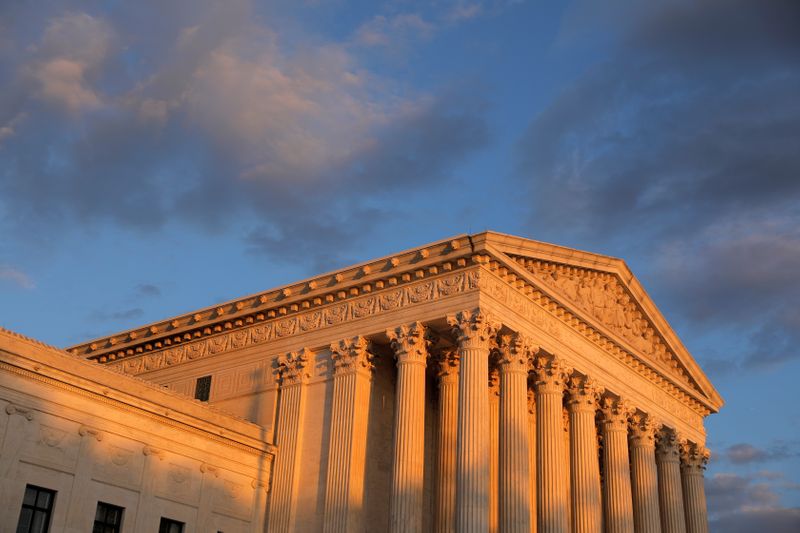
x=158 y=157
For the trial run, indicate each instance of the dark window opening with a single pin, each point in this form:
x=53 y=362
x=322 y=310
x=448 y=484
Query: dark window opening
x=107 y=518
x=37 y=508
x=170 y=526
x=202 y=389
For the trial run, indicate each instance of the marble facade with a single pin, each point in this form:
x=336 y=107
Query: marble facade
x=481 y=383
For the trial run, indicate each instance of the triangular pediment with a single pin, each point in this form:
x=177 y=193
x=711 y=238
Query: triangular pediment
x=603 y=290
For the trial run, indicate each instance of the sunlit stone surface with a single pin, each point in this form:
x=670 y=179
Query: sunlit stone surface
x=481 y=383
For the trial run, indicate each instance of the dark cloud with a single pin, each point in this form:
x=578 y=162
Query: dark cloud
x=219 y=121
x=148 y=289
x=744 y=453
x=682 y=146
x=126 y=314
x=747 y=504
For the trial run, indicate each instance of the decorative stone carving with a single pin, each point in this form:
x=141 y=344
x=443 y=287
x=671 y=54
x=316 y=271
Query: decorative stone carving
x=670 y=491
x=644 y=484
x=351 y=355
x=473 y=329
x=551 y=374
x=514 y=354
x=292 y=367
x=25 y=412
x=86 y=430
x=583 y=393
x=693 y=462
x=410 y=343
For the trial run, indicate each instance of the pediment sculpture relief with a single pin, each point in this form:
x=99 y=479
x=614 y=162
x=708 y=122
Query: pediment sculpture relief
x=603 y=297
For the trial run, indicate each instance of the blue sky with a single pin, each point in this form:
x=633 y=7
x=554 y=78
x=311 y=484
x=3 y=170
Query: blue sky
x=159 y=157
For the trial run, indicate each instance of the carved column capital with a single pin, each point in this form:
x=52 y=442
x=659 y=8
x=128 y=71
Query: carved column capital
x=694 y=458
x=513 y=354
x=667 y=446
x=583 y=393
x=531 y=402
x=616 y=413
x=445 y=364
x=473 y=329
x=643 y=429
x=292 y=367
x=551 y=374
x=351 y=355
x=410 y=343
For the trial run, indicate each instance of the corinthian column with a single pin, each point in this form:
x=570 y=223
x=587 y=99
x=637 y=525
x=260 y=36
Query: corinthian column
x=587 y=510
x=344 y=490
x=644 y=477
x=618 y=498
x=447 y=374
x=514 y=476
x=693 y=461
x=410 y=347
x=532 y=456
x=474 y=331
x=670 y=495
x=551 y=490
x=292 y=369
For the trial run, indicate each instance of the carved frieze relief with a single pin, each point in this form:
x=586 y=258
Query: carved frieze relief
x=363 y=307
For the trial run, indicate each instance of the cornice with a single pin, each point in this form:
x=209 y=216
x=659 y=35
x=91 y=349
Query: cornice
x=287 y=300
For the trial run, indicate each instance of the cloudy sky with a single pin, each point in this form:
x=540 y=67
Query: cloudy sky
x=157 y=157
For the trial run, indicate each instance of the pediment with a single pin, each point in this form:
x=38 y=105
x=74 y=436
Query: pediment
x=603 y=290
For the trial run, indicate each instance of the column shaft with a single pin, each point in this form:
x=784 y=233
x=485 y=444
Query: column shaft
x=289 y=438
x=409 y=429
x=344 y=491
x=551 y=490
x=532 y=456
x=644 y=477
x=474 y=331
x=447 y=443
x=618 y=496
x=670 y=494
x=514 y=475
x=587 y=511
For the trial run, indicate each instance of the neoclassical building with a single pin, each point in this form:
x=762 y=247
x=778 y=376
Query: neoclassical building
x=481 y=383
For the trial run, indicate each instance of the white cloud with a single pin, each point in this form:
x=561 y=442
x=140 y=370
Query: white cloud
x=17 y=277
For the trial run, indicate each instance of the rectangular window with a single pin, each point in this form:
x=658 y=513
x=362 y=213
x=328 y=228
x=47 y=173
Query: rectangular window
x=170 y=526
x=202 y=390
x=107 y=518
x=37 y=507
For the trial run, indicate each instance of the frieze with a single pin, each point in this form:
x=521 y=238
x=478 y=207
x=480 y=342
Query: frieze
x=358 y=308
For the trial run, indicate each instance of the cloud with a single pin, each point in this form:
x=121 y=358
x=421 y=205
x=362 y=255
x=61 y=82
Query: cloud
x=17 y=277
x=215 y=120
x=148 y=289
x=745 y=504
x=126 y=314
x=744 y=453
x=393 y=30
x=681 y=146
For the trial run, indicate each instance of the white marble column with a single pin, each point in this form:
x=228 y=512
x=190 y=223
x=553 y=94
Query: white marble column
x=447 y=373
x=514 y=476
x=552 y=491
x=532 y=456
x=694 y=459
x=474 y=331
x=411 y=351
x=344 y=490
x=670 y=493
x=618 y=499
x=289 y=439
x=644 y=476
x=587 y=508
x=494 y=450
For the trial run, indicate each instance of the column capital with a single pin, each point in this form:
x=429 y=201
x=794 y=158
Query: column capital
x=410 y=343
x=583 y=393
x=551 y=374
x=667 y=446
x=643 y=429
x=445 y=363
x=694 y=457
x=351 y=355
x=514 y=354
x=292 y=367
x=616 y=413
x=473 y=329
